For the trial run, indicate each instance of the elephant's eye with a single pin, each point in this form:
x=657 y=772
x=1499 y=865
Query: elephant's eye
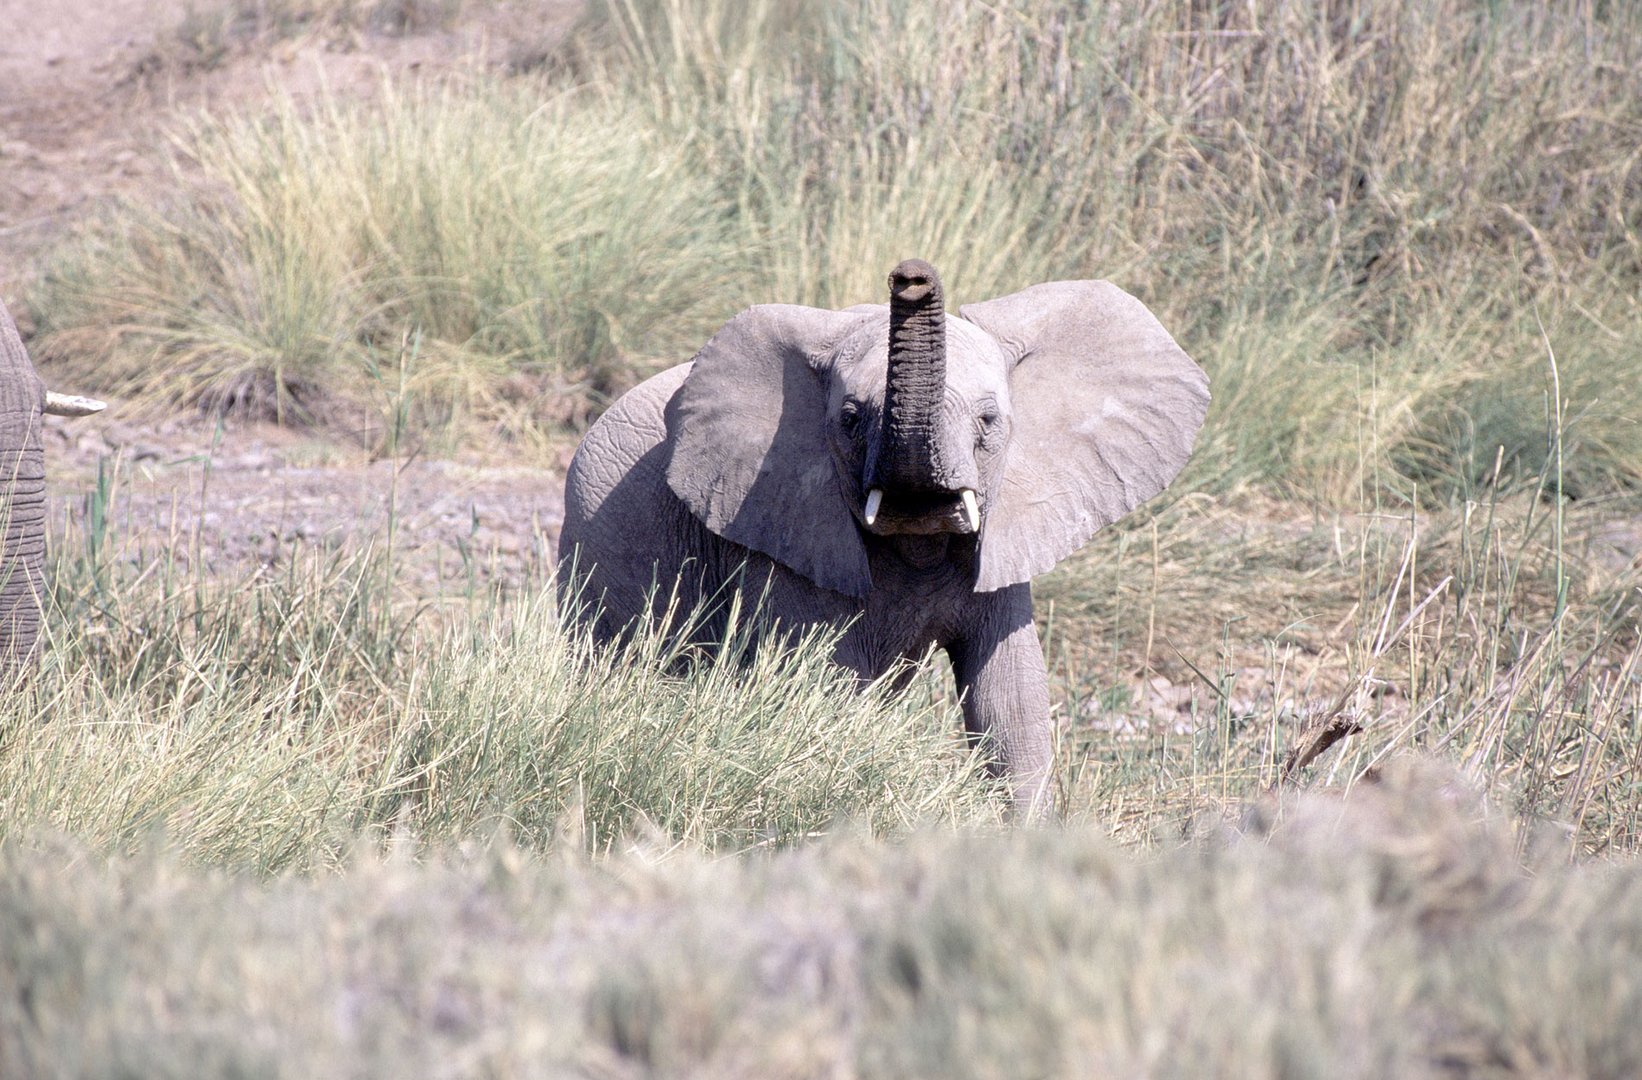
x=986 y=424
x=849 y=418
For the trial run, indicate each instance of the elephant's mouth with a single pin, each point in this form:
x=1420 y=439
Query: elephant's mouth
x=922 y=513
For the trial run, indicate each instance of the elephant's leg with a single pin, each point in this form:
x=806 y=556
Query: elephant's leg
x=1005 y=692
x=22 y=502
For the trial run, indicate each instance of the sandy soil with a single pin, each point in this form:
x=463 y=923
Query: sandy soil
x=230 y=498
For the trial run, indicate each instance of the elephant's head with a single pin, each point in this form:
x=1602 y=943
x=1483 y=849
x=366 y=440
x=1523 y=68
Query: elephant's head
x=1026 y=424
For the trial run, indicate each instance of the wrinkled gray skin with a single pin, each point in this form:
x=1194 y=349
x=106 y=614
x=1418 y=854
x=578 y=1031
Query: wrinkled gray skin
x=1061 y=408
x=22 y=501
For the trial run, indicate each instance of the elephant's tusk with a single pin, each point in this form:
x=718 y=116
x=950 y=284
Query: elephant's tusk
x=874 y=497
x=69 y=405
x=972 y=510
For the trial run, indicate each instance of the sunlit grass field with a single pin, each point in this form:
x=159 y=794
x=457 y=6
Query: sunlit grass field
x=1349 y=720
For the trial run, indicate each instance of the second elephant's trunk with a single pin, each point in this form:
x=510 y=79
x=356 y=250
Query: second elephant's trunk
x=910 y=459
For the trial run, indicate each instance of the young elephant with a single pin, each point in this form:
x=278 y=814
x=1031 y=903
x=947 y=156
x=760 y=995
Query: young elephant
x=897 y=471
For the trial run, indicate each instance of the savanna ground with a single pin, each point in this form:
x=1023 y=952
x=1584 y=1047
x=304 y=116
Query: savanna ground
x=311 y=781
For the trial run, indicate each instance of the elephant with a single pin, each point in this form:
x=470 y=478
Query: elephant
x=23 y=400
x=895 y=472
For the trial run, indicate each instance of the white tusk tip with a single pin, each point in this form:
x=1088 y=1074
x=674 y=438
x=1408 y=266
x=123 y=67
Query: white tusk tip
x=972 y=510
x=69 y=405
x=874 y=498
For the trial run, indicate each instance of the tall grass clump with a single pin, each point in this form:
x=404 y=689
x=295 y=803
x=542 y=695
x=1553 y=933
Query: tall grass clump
x=1350 y=213
x=270 y=718
x=534 y=732
x=515 y=236
x=731 y=754
x=1216 y=652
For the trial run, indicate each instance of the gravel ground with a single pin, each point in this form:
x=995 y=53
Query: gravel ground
x=235 y=497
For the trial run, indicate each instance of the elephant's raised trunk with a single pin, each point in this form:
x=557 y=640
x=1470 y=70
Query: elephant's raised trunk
x=910 y=459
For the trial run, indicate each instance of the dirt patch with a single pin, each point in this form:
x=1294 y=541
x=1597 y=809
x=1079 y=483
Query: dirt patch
x=225 y=499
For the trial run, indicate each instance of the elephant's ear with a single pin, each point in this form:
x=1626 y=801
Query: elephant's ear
x=750 y=452
x=1106 y=409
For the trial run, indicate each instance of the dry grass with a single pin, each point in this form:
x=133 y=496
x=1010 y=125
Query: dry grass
x=1404 y=239
x=521 y=244
x=209 y=34
x=1421 y=375
x=1192 y=652
x=1391 y=933
x=1197 y=649
x=274 y=718
x=1351 y=213
x=1366 y=219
